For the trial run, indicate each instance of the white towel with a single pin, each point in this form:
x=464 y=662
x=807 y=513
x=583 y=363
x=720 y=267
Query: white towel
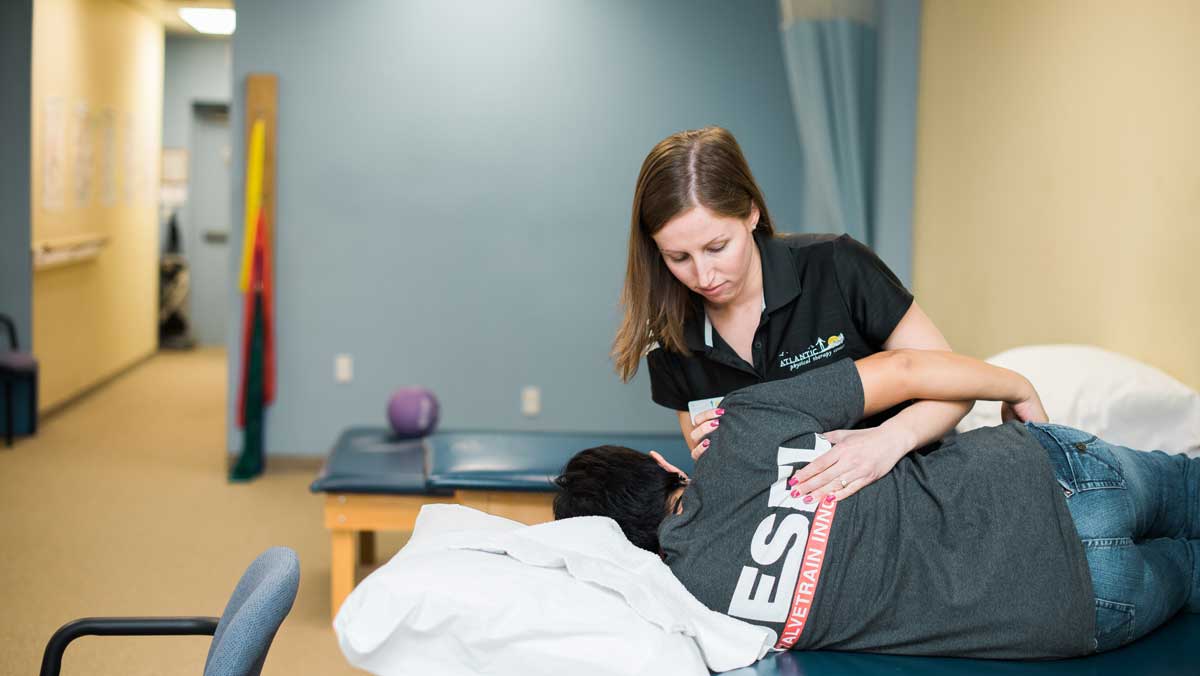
x=475 y=593
x=593 y=550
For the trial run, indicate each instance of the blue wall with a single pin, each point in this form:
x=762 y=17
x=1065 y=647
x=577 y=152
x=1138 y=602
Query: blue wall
x=16 y=264
x=454 y=184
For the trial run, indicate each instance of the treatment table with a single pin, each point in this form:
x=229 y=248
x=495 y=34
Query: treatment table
x=374 y=482
x=1171 y=650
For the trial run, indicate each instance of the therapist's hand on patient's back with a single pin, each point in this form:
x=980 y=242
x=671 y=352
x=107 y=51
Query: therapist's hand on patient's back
x=858 y=458
x=704 y=424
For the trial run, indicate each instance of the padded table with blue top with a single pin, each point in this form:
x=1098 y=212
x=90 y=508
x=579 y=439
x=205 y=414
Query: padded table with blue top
x=1171 y=650
x=375 y=482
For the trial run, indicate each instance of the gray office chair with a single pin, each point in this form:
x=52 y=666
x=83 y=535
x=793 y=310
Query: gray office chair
x=241 y=637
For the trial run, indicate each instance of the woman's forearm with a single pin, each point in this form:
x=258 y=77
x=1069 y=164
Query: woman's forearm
x=889 y=378
x=946 y=376
x=927 y=421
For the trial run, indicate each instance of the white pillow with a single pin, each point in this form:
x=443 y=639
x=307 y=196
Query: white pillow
x=439 y=607
x=1115 y=397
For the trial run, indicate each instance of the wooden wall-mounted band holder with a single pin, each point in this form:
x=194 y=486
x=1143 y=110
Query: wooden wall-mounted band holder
x=262 y=103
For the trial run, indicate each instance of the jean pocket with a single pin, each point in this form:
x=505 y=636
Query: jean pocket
x=1094 y=465
x=1090 y=460
x=1114 y=624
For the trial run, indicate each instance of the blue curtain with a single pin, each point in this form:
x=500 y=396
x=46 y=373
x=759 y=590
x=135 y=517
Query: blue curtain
x=830 y=49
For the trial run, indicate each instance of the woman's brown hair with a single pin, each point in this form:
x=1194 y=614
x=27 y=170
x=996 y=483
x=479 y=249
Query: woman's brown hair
x=699 y=167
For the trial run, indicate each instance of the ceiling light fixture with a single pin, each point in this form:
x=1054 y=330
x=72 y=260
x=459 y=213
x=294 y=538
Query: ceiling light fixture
x=210 y=20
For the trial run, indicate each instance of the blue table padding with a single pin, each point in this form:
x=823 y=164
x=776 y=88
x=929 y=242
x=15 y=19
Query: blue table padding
x=1171 y=650
x=371 y=460
x=528 y=461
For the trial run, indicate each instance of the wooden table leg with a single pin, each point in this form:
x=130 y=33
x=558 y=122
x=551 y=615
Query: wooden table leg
x=366 y=547
x=341 y=567
x=353 y=520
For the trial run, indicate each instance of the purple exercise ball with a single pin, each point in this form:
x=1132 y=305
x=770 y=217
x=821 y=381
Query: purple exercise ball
x=412 y=412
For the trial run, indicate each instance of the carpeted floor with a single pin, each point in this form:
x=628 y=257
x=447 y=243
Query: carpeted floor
x=120 y=507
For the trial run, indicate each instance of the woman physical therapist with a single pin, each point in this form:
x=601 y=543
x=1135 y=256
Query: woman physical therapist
x=716 y=302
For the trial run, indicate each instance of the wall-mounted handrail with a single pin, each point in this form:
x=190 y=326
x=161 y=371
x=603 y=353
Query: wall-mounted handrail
x=59 y=251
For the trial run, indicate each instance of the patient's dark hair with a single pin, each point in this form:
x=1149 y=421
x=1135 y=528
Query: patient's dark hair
x=620 y=483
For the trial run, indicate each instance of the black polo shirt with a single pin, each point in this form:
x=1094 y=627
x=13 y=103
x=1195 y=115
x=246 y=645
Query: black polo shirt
x=825 y=298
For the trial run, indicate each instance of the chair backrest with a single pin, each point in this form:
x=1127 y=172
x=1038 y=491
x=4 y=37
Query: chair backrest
x=261 y=601
x=11 y=328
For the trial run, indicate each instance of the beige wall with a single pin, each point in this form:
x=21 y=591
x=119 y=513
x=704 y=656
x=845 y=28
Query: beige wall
x=92 y=319
x=1058 y=176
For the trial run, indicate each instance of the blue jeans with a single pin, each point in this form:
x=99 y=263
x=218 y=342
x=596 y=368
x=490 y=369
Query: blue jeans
x=1138 y=515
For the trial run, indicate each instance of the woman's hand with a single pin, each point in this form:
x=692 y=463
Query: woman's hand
x=1028 y=409
x=857 y=459
x=704 y=424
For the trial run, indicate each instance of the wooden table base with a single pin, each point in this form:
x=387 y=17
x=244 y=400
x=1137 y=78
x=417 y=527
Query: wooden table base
x=354 y=518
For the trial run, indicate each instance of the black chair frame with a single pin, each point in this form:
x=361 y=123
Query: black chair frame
x=121 y=626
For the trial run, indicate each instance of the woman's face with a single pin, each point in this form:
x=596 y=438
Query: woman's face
x=709 y=254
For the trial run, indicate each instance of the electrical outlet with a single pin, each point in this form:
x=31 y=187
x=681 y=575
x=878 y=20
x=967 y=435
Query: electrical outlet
x=531 y=400
x=343 y=368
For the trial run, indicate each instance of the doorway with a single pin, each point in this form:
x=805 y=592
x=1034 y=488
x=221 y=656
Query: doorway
x=208 y=229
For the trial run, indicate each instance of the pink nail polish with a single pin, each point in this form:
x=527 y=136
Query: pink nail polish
x=720 y=411
x=793 y=481
x=829 y=498
x=795 y=494
x=808 y=499
x=705 y=443
x=716 y=422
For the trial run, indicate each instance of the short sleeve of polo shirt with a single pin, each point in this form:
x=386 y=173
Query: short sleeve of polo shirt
x=874 y=296
x=667 y=386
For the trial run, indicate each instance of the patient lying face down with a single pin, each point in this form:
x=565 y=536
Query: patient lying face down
x=970 y=549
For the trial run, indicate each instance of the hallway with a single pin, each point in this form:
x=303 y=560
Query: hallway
x=120 y=507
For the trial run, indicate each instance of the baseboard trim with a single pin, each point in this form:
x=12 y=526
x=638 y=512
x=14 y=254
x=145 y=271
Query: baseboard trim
x=95 y=387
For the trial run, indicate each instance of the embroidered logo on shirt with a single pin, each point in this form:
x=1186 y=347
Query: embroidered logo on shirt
x=822 y=349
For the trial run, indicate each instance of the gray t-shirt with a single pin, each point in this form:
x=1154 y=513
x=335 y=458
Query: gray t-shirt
x=965 y=550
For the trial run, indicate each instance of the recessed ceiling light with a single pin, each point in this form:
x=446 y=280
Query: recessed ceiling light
x=210 y=20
